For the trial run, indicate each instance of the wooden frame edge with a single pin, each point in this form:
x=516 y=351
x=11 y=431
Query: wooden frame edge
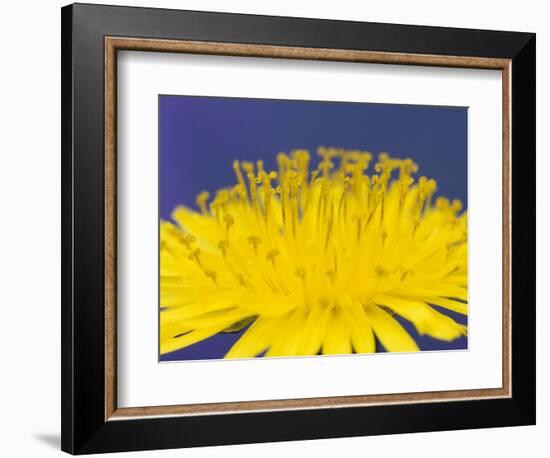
x=507 y=228
x=110 y=235
x=111 y=46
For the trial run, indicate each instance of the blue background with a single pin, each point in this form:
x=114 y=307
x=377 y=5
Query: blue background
x=199 y=137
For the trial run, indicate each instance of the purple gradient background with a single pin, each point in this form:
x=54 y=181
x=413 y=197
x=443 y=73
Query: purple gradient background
x=199 y=137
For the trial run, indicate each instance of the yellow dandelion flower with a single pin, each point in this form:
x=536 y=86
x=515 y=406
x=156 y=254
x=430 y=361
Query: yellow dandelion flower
x=318 y=262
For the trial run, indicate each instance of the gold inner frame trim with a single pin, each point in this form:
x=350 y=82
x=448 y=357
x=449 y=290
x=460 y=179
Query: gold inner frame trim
x=114 y=44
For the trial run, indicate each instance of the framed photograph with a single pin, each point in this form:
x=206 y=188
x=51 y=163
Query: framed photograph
x=280 y=228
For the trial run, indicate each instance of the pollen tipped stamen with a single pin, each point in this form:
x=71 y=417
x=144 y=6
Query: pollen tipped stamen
x=212 y=275
x=201 y=200
x=223 y=246
x=255 y=241
x=240 y=178
x=195 y=256
x=271 y=256
x=268 y=192
x=229 y=222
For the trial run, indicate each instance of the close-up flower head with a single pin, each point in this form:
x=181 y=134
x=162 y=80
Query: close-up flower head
x=304 y=260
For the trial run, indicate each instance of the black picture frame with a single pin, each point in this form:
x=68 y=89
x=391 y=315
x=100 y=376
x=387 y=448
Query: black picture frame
x=84 y=427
